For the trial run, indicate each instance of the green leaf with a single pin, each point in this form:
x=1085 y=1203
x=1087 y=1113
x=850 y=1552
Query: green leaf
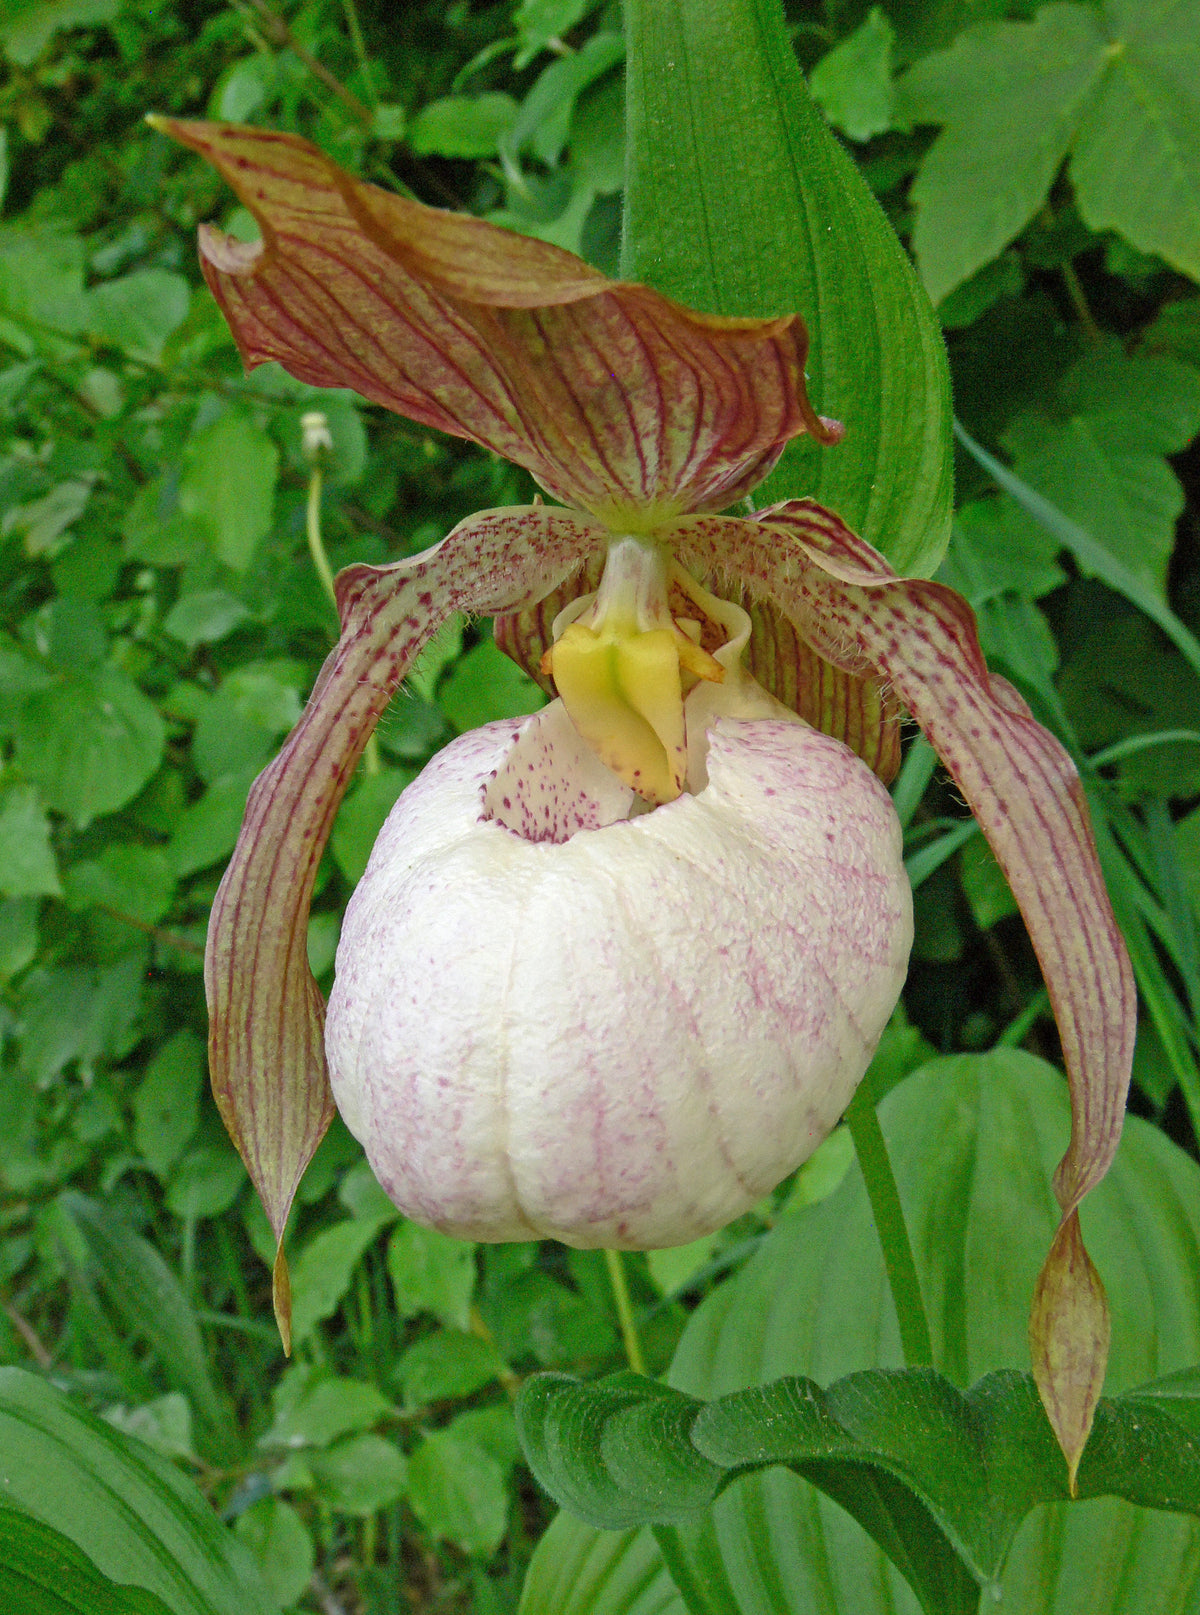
x=361 y=815
x=1187 y=838
x=154 y=528
x=446 y=1364
x=41 y=282
x=1119 y=680
x=1115 y=85
x=671 y=1268
x=315 y=1410
x=1011 y=96
x=462 y=125
x=136 y=1516
x=164 y=1423
x=321 y=1273
x=78 y=1014
x=722 y=135
x=42 y=1572
x=539 y=21
x=578 y=1570
x=972 y=1140
x=237 y=730
x=28 y=867
x=131 y=879
x=18 y=934
x=70 y=633
x=1136 y=162
x=138 y=312
x=1093 y=557
x=149 y=1299
x=852 y=83
x=280 y=1541
x=228 y=485
x=458 y=1492
x=204 y=617
x=544 y=120
x=486 y=685
x=996 y=549
x=28 y=29
x=91 y=742
x=430 y=1272
x=43 y=522
x=206 y=1182
x=166 y=1106
x=1176 y=330
x=206 y=831
x=360 y=1474
x=1099 y=454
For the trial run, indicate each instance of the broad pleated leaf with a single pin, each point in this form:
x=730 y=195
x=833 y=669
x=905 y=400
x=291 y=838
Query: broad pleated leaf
x=266 y=1014
x=942 y=1480
x=137 y=1518
x=42 y=1572
x=971 y=1139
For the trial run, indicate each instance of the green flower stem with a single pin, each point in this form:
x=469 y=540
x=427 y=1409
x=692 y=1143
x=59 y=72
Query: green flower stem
x=620 y=1290
x=890 y=1225
x=316 y=544
x=1019 y=1028
x=320 y=561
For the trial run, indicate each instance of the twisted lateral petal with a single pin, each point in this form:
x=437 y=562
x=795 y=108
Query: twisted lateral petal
x=266 y=1016
x=616 y=399
x=1023 y=788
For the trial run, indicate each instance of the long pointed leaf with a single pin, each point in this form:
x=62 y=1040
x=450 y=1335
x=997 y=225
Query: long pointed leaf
x=740 y=201
x=1091 y=555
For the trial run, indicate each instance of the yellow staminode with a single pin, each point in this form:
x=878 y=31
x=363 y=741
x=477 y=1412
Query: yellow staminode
x=620 y=673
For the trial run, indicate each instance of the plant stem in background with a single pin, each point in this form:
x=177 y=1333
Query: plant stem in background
x=890 y=1225
x=360 y=49
x=316 y=444
x=620 y=1290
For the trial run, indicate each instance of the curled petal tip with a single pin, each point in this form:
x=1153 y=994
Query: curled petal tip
x=833 y=431
x=226 y=252
x=1069 y=1332
x=281 y=1295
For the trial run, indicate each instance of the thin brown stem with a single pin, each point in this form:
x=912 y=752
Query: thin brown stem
x=279 y=32
x=171 y=939
x=28 y=1334
x=1080 y=304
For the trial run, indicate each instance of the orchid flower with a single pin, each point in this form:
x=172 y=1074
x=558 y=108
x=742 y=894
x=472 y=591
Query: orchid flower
x=614 y=970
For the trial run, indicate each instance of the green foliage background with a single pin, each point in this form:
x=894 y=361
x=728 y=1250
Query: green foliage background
x=162 y=623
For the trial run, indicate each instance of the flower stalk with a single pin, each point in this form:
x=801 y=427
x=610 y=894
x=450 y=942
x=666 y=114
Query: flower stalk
x=888 y=1214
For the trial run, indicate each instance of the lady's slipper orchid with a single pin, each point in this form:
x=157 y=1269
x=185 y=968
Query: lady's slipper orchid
x=611 y=972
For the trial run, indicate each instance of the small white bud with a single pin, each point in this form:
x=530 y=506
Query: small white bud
x=316 y=441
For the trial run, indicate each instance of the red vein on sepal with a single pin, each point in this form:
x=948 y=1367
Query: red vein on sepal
x=525 y=348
